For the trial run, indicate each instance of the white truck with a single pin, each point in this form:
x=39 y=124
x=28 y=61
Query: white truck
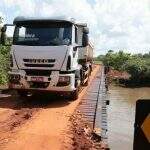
x=48 y=54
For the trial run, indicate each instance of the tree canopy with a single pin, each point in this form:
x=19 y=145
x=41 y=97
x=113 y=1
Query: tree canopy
x=4 y=61
x=138 y=65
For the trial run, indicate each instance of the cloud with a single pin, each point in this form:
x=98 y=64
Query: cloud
x=26 y=7
x=114 y=24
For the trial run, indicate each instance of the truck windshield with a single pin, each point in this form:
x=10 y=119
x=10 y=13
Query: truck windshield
x=42 y=35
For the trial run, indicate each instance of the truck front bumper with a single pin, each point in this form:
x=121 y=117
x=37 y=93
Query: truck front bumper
x=25 y=83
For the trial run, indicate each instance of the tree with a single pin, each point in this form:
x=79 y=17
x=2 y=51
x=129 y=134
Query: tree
x=116 y=60
x=4 y=61
x=136 y=67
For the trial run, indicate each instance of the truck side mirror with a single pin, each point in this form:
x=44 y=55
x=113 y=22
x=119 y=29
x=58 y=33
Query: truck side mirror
x=3 y=35
x=86 y=30
x=3 y=29
x=85 y=40
x=6 y=34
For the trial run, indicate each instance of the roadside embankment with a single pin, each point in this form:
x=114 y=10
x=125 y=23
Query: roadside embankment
x=83 y=137
x=125 y=79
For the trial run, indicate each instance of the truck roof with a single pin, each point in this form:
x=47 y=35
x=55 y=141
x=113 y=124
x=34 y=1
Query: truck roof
x=39 y=19
x=21 y=19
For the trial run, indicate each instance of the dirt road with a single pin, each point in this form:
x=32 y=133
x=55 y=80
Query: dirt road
x=37 y=123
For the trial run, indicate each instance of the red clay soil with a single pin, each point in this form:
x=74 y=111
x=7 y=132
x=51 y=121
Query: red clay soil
x=41 y=123
x=83 y=137
x=118 y=75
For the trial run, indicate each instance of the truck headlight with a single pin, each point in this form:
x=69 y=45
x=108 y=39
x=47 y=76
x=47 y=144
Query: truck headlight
x=14 y=78
x=64 y=79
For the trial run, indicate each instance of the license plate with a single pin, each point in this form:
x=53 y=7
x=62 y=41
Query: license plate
x=37 y=79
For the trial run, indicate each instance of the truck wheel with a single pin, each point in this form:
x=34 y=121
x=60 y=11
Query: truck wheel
x=22 y=93
x=74 y=95
x=91 y=69
x=87 y=82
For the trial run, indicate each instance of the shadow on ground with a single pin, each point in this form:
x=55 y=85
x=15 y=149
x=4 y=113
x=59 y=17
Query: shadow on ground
x=36 y=101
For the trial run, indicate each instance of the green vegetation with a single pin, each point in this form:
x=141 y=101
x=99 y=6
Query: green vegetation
x=138 y=66
x=4 y=61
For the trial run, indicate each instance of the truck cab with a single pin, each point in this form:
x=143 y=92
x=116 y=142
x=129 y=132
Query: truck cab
x=48 y=55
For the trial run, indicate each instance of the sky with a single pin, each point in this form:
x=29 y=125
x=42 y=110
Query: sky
x=114 y=24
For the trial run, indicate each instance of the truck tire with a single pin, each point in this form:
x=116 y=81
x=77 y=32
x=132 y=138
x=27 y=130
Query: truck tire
x=91 y=69
x=22 y=93
x=87 y=82
x=74 y=95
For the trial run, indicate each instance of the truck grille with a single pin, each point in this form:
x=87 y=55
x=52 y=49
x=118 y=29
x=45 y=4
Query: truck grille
x=38 y=72
x=39 y=65
x=39 y=62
